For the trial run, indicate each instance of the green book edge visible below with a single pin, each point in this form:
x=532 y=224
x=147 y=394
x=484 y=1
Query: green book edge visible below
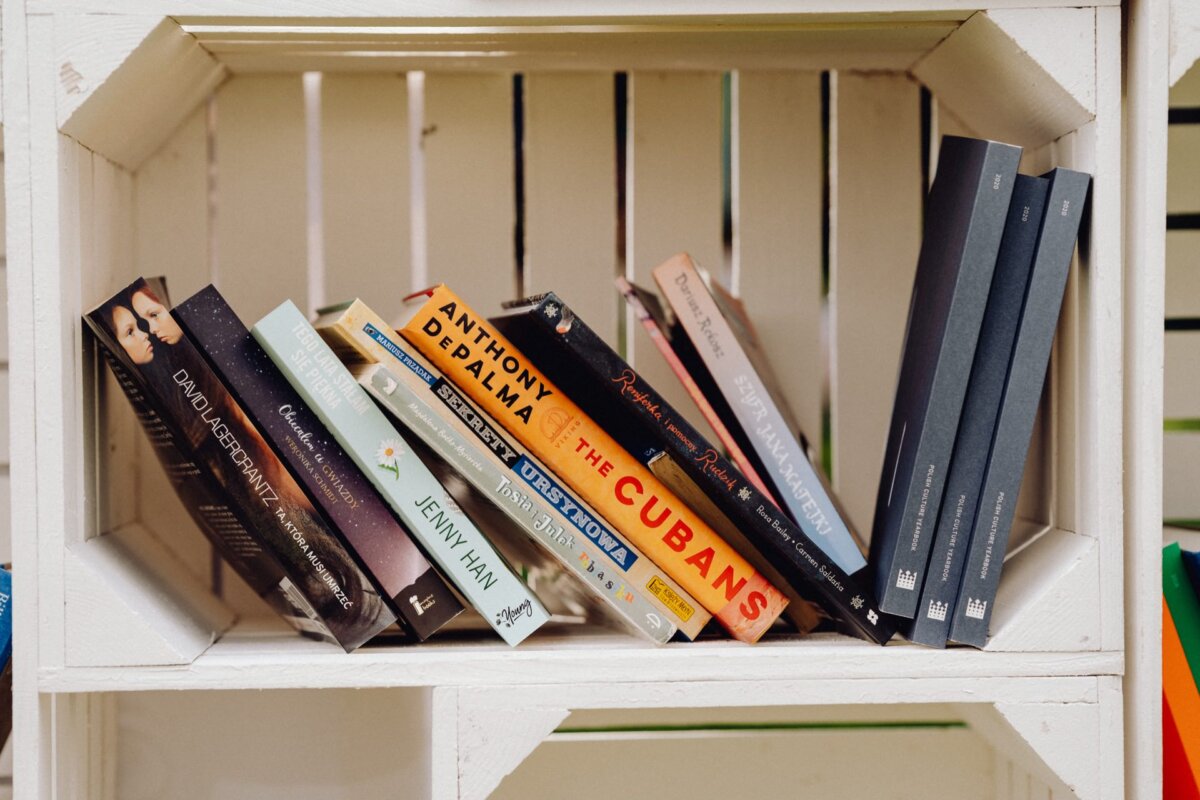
x=1184 y=605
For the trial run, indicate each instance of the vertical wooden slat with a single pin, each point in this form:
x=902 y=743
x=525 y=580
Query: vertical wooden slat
x=571 y=194
x=469 y=192
x=365 y=188
x=261 y=217
x=173 y=240
x=673 y=199
x=875 y=234
x=1181 y=376
x=1183 y=169
x=1183 y=273
x=777 y=219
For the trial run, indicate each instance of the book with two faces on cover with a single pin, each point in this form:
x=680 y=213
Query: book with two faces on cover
x=261 y=519
x=517 y=481
x=492 y=372
x=450 y=538
x=341 y=494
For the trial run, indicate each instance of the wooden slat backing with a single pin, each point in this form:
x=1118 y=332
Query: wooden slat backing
x=673 y=199
x=173 y=240
x=571 y=193
x=1183 y=169
x=1181 y=378
x=778 y=178
x=260 y=228
x=875 y=235
x=469 y=188
x=1183 y=273
x=1181 y=465
x=365 y=188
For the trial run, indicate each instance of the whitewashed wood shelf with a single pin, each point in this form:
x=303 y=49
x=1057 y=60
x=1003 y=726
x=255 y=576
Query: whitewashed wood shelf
x=321 y=151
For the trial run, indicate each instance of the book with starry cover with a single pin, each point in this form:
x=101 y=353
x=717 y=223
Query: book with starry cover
x=338 y=490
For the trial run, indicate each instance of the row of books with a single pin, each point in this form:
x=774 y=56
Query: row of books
x=360 y=474
x=1181 y=672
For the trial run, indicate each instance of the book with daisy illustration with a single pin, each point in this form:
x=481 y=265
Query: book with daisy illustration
x=528 y=489
x=382 y=547
x=449 y=537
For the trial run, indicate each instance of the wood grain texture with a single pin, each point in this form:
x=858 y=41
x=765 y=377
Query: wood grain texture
x=365 y=187
x=261 y=217
x=570 y=155
x=778 y=211
x=469 y=194
x=673 y=201
x=875 y=235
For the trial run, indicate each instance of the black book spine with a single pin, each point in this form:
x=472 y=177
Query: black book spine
x=964 y=221
x=1018 y=406
x=980 y=407
x=349 y=505
x=212 y=429
x=649 y=418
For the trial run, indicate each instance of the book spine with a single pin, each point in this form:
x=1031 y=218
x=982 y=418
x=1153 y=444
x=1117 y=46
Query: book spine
x=945 y=315
x=1179 y=685
x=788 y=545
x=1018 y=407
x=980 y=407
x=357 y=333
x=344 y=497
x=800 y=488
x=448 y=536
x=489 y=370
x=664 y=346
x=511 y=484
x=1184 y=605
x=223 y=441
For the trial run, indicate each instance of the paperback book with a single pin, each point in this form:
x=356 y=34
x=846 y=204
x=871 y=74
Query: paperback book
x=491 y=371
x=448 y=535
x=320 y=580
x=340 y=493
x=357 y=333
x=1019 y=400
x=552 y=334
x=964 y=220
x=980 y=408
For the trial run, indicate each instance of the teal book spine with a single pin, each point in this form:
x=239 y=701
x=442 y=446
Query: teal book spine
x=511 y=492
x=448 y=536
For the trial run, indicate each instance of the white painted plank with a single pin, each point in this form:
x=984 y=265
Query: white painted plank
x=1181 y=375
x=6 y=542
x=4 y=305
x=1183 y=274
x=571 y=194
x=942 y=763
x=365 y=188
x=261 y=215
x=1181 y=475
x=1183 y=169
x=469 y=193
x=673 y=200
x=174 y=240
x=875 y=234
x=778 y=214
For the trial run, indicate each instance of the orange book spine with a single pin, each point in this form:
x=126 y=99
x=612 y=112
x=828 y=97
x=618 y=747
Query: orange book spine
x=1180 y=693
x=490 y=370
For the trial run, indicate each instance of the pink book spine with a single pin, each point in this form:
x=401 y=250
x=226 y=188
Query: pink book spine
x=656 y=336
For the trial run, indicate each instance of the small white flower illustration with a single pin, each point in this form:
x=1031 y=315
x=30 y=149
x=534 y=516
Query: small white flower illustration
x=856 y=601
x=388 y=454
x=744 y=494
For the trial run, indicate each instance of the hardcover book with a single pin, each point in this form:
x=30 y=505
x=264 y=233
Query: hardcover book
x=508 y=479
x=208 y=425
x=493 y=373
x=801 y=490
x=340 y=493
x=1184 y=604
x=997 y=334
x=649 y=427
x=448 y=536
x=964 y=219
x=1019 y=400
x=357 y=333
x=1180 y=694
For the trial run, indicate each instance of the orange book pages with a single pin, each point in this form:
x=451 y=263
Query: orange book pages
x=1180 y=692
x=1179 y=783
x=496 y=375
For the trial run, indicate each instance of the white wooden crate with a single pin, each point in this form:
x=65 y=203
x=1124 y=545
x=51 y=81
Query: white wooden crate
x=184 y=138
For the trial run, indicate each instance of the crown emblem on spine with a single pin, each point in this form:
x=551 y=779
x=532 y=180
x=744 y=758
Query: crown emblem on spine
x=937 y=610
x=976 y=608
x=907 y=579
